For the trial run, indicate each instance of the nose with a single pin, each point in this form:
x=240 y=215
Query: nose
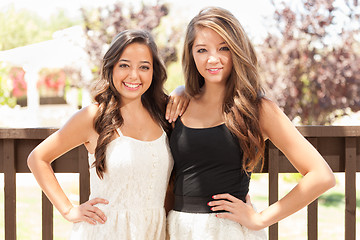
x=213 y=58
x=133 y=74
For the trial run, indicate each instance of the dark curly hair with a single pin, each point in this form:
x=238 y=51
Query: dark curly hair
x=108 y=117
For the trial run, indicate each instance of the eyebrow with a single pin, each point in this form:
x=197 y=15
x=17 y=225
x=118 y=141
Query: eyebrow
x=125 y=60
x=203 y=44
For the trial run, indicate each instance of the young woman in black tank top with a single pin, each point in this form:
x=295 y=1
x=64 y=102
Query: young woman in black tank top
x=220 y=139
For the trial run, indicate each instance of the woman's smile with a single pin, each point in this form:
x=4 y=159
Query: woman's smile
x=132 y=86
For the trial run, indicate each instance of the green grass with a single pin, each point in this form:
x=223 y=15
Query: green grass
x=28 y=210
x=331 y=208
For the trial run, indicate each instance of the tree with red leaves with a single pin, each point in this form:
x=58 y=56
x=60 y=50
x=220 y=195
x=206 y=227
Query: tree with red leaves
x=311 y=65
x=103 y=23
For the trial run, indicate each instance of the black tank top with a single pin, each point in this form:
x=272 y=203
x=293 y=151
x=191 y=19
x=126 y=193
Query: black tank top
x=208 y=161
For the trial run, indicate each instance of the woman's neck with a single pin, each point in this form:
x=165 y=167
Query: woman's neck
x=132 y=107
x=212 y=93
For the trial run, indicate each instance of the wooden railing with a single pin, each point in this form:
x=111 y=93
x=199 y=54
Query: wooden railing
x=339 y=145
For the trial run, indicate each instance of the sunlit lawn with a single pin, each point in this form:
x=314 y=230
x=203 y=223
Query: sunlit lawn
x=28 y=203
x=331 y=209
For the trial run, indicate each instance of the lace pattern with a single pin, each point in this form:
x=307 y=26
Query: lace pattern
x=135 y=185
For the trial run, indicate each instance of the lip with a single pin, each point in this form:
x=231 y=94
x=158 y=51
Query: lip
x=132 y=86
x=214 y=70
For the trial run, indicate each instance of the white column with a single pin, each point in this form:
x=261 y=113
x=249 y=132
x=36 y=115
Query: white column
x=87 y=77
x=31 y=78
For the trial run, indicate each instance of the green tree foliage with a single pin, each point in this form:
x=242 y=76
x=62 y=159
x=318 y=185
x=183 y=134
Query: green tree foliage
x=103 y=23
x=311 y=64
x=22 y=27
x=6 y=87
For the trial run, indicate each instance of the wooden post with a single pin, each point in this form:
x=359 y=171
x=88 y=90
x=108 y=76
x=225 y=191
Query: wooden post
x=350 y=188
x=84 y=175
x=47 y=218
x=273 y=185
x=312 y=209
x=10 y=188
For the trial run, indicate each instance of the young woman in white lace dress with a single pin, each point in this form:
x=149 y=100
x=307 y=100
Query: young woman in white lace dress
x=220 y=139
x=125 y=133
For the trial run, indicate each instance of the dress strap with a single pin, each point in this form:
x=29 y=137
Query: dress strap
x=119 y=132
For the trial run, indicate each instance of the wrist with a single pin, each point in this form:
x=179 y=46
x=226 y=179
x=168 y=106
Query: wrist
x=261 y=222
x=65 y=211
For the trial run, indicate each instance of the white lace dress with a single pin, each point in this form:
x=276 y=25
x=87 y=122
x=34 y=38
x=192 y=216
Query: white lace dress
x=135 y=185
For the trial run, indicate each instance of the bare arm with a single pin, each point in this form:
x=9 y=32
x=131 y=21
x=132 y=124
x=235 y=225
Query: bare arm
x=318 y=176
x=78 y=130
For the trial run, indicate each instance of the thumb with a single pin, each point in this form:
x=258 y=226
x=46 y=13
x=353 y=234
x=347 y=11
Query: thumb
x=248 y=200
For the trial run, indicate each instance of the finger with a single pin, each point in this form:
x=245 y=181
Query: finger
x=174 y=106
x=184 y=106
x=177 y=111
x=220 y=202
x=227 y=215
x=168 y=108
x=97 y=200
x=89 y=220
x=223 y=208
x=226 y=196
x=94 y=216
x=248 y=200
x=100 y=213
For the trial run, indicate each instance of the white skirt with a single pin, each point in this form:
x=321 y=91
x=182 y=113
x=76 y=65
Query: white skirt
x=199 y=226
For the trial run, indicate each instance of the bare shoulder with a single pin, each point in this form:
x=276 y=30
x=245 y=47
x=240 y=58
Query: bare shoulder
x=268 y=108
x=272 y=118
x=76 y=131
x=85 y=115
x=82 y=123
x=89 y=111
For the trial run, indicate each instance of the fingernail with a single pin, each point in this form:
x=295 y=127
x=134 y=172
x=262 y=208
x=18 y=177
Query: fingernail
x=167 y=117
x=208 y=203
x=214 y=197
x=212 y=209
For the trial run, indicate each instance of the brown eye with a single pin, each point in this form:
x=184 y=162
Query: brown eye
x=224 y=49
x=145 y=67
x=123 y=65
x=201 y=50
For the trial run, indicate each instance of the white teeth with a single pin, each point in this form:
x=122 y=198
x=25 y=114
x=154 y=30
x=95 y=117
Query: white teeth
x=132 y=85
x=214 y=69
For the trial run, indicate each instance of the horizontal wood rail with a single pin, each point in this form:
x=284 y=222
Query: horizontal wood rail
x=339 y=145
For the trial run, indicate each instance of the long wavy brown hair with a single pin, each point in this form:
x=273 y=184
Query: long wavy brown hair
x=108 y=117
x=243 y=90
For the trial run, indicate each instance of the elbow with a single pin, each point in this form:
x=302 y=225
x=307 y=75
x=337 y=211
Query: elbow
x=332 y=182
x=328 y=181
x=30 y=161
